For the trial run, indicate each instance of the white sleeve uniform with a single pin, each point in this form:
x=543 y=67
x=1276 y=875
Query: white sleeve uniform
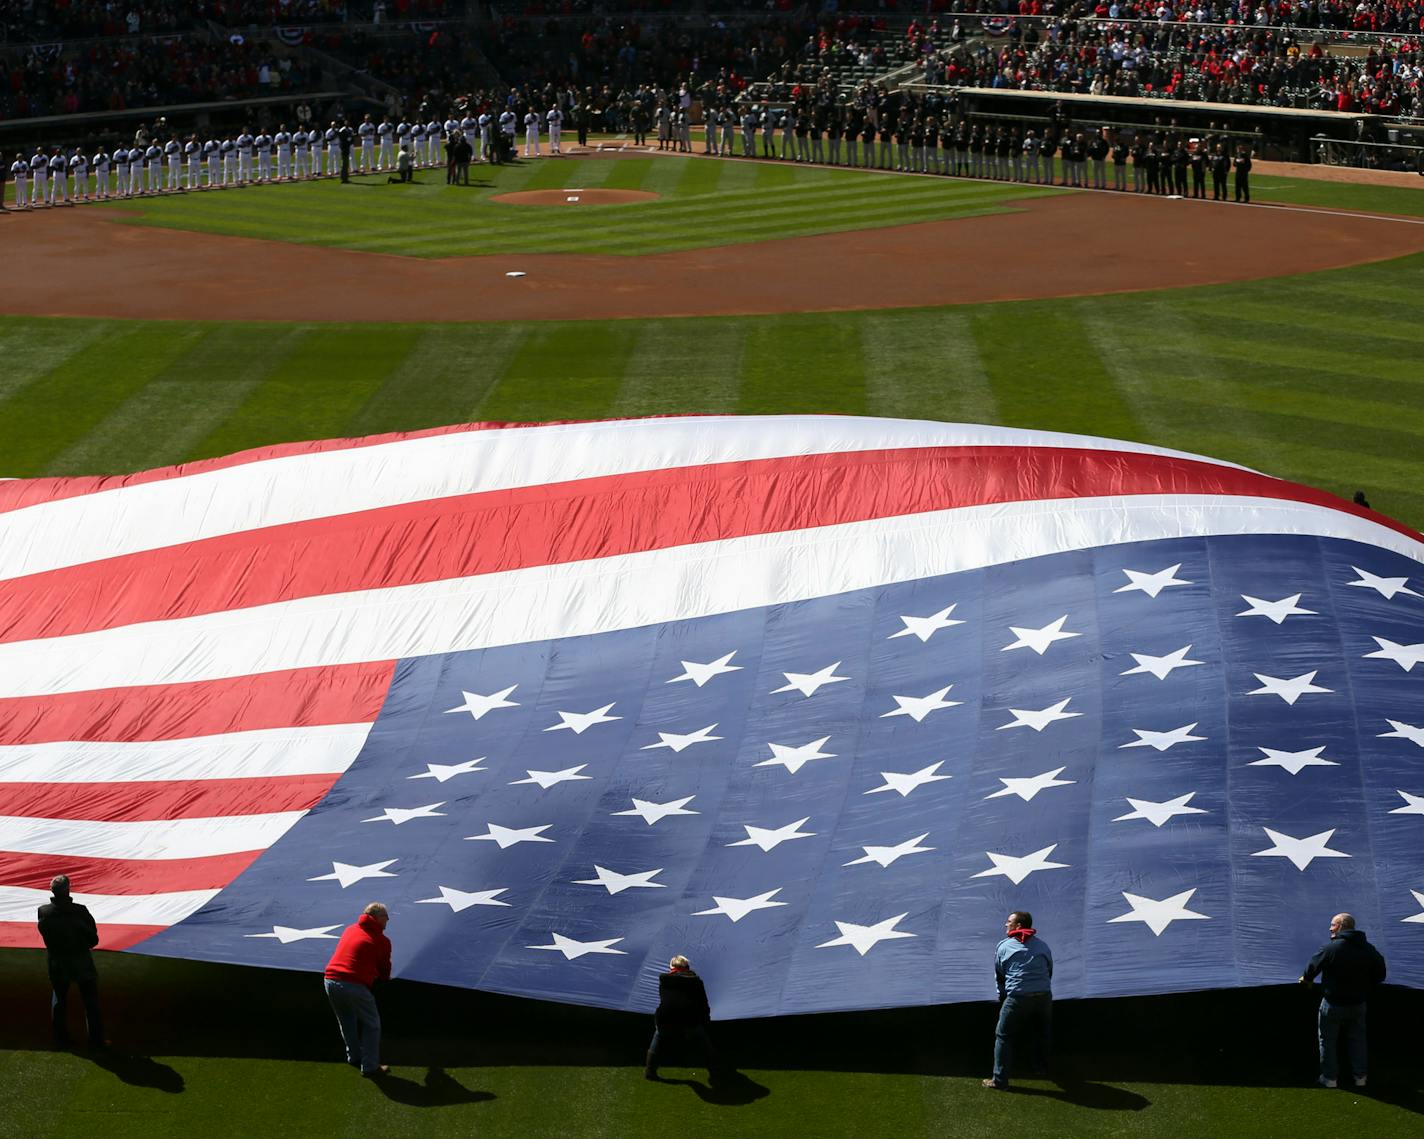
x=432 y=143
x=121 y=172
x=368 y=146
x=284 y=154
x=58 y=180
x=333 y=151
x=20 y=172
x=263 y=143
x=39 y=173
x=194 y=152
x=299 y=153
x=556 y=127
x=136 y=164
x=531 y=134
x=387 y=158
x=174 y=150
x=79 y=169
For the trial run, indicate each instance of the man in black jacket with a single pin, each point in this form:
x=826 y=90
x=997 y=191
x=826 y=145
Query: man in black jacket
x=683 y=1014
x=1349 y=967
x=69 y=934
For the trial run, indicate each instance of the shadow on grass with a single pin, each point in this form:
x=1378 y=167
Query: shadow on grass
x=734 y=1090
x=440 y=1089
x=138 y=1071
x=1081 y=1093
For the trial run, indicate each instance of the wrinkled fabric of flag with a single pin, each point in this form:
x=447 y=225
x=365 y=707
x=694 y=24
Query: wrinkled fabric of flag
x=816 y=701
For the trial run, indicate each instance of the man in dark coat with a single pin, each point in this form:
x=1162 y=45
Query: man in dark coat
x=683 y=1014
x=69 y=934
x=1349 y=967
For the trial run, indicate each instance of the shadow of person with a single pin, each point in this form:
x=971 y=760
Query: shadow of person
x=1081 y=1093
x=440 y=1089
x=138 y=1071
x=730 y=1090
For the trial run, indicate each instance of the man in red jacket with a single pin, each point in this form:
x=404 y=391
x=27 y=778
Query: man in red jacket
x=362 y=957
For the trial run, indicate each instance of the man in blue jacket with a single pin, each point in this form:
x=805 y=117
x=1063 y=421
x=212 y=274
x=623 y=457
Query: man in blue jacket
x=69 y=934
x=1349 y=967
x=1023 y=968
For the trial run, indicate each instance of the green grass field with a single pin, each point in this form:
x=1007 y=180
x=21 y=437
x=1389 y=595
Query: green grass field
x=1314 y=378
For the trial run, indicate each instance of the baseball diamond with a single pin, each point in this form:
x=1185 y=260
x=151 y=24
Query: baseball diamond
x=612 y=365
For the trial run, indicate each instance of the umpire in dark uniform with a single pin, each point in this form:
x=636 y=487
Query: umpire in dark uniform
x=683 y=1014
x=69 y=934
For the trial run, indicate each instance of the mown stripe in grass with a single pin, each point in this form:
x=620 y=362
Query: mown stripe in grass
x=684 y=367
x=803 y=364
x=916 y=361
x=32 y=349
x=583 y=361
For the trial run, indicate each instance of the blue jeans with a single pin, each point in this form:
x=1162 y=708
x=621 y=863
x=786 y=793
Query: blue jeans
x=1028 y=1014
x=1349 y=1019
x=360 y=1021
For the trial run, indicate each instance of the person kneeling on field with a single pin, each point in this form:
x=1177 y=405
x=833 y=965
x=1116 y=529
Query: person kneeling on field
x=683 y=1014
x=404 y=166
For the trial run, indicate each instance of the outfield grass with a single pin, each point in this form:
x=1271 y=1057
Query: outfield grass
x=1263 y=373
x=702 y=203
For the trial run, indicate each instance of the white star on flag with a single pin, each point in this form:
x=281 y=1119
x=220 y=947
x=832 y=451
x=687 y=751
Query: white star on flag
x=864 y=938
x=547 y=779
x=1301 y=851
x=1277 y=611
x=904 y=783
x=700 y=674
x=509 y=836
x=459 y=900
x=1018 y=867
x=1040 y=719
x=349 y=875
x=1293 y=761
x=1163 y=740
x=445 y=771
x=679 y=743
x=1404 y=732
x=918 y=707
x=1406 y=656
x=795 y=758
x=616 y=883
x=1157 y=916
x=1161 y=667
x=738 y=908
x=1159 y=813
x=572 y=950
x=1151 y=583
x=807 y=683
x=1386 y=587
x=925 y=627
x=1418 y=901
x=1288 y=690
x=477 y=705
x=580 y=722
x=651 y=813
x=1027 y=788
x=1413 y=804
x=399 y=815
x=885 y=855
x=1039 y=640
x=770 y=838
x=286 y=934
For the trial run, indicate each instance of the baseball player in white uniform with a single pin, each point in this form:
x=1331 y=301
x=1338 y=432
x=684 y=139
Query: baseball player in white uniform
x=555 y=119
x=58 y=178
x=213 y=171
x=432 y=143
x=333 y=149
x=39 y=175
x=387 y=157
x=193 y=152
x=403 y=136
x=263 y=145
x=486 y=121
x=101 y=164
x=79 y=170
x=20 y=172
x=121 y=171
x=506 y=125
x=367 y=131
x=174 y=151
x=244 y=156
x=137 y=159
x=299 y=152
x=531 y=134
x=417 y=143
x=283 y=141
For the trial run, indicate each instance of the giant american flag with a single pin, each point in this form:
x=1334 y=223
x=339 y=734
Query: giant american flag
x=814 y=700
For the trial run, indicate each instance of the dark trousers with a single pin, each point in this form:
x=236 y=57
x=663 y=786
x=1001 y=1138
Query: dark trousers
x=1218 y=187
x=346 y=164
x=1243 y=188
x=59 y=1010
x=1198 y=184
x=678 y=1036
x=1025 y=1015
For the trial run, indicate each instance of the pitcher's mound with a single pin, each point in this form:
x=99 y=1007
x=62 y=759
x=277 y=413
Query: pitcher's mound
x=568 y=197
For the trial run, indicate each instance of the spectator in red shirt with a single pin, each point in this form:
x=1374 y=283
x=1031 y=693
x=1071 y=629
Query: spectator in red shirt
x=362 y=957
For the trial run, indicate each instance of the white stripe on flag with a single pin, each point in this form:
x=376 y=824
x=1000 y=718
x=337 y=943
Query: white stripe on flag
x=164 y=839
x=296 y=488
x=604 y=594
x=19 y=903
x=319 y=750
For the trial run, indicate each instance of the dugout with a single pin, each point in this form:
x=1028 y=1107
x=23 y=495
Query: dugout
x=1288 y=134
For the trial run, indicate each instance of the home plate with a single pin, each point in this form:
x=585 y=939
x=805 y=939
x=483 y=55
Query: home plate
x=514 y=273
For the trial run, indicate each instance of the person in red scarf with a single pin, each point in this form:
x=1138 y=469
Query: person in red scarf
x=1023 y=968
x=362 y=957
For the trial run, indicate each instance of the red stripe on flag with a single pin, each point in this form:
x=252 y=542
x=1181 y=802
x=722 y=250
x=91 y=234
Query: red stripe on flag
x=603 y=517
x=179 y=799
x=25 y=935
x=124 y=875
x=336 y=694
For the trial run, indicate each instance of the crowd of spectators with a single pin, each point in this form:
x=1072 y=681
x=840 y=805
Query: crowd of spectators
x=112 y=75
